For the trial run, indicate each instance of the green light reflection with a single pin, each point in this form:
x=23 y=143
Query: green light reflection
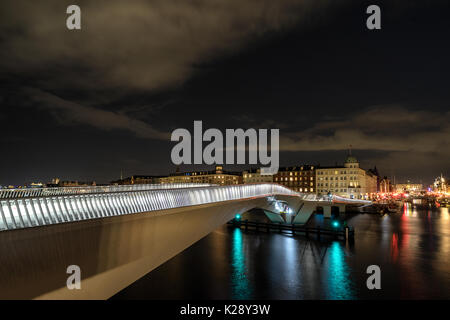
x=239 y=282
x=340 y=286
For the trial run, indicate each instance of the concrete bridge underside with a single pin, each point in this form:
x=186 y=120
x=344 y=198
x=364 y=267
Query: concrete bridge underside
x=112 y=252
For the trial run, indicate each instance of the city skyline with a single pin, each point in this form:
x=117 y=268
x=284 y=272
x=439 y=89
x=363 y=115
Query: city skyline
x=212 y=169
x=225 y=157
x=84 y=109
x=125 y=174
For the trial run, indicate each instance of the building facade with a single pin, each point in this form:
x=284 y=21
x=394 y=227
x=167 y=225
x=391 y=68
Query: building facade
x=348 y=181
x=298 y=178
x=385 y=185
x=408 y=187
x=217 y=176
x=254 y=176
x=441 y=184
x=137 y=179
x=76 y=183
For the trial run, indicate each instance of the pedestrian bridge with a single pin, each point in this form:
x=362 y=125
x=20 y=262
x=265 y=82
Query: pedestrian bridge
x=117 y=234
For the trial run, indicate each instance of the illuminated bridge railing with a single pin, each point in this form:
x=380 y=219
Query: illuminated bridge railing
x=45 y=192
x=33 y=211
x=338 y=199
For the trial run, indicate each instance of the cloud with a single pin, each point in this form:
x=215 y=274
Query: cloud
x=69 y=113
x=401 y=142
x=149 y=45
x=127 y=47
x=384 y=128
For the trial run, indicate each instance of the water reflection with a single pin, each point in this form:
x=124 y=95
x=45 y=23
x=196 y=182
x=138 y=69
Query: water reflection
x=394 y=247
x=239 y=282
x=339 y=283
x=411 y=247
x=444 y=214
x=407 y=209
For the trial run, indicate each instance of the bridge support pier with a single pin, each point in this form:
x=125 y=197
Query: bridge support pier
x=304 y=213
x=275 y=218
x=341 y=208
x=327 y=211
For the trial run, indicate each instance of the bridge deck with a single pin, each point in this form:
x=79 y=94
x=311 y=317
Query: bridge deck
x=25 y=208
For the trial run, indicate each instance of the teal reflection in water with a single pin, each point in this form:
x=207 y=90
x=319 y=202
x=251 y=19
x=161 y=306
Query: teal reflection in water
x=239 y=282
x=338 y=280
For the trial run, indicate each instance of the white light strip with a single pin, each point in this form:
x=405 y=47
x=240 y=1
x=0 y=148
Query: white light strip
x=46 y=192
x=17 y=213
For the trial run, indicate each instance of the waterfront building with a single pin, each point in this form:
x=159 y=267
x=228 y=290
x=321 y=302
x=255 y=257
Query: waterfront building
x=300 y=178
x=137 y=179
x=36 y=185
x=217 y=176
x=76 y=183
x=348 y=181
x=375 y=173
x=254 y=176
x=408 y=187
x=385 y=185
x=440 y=184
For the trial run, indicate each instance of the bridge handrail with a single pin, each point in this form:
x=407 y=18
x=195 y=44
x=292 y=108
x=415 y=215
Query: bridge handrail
x=26 y=211
x=60 y=191
x=338 y=199
x=33 y=211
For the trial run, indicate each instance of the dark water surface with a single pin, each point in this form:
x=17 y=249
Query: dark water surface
x=411 y=247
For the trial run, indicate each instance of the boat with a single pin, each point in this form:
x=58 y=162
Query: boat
x=444 y=202
x=393 y=207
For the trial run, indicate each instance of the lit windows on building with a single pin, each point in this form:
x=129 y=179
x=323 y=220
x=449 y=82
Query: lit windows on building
x=300 y=177
x=361 y=183
x=254 y=176
x=217 y=176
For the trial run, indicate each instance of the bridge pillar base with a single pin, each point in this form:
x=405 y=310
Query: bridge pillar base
x=327 y=211
x=341 y=208
x=274 y=217
x=304 y=213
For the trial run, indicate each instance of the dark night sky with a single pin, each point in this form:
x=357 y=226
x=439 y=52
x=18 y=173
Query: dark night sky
x=82 y=105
